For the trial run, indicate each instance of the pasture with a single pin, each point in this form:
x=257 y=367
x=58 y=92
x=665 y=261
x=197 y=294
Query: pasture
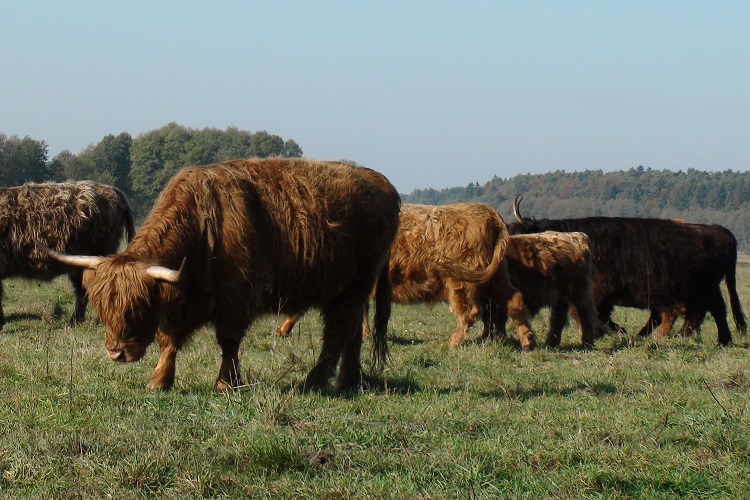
x=630 y=418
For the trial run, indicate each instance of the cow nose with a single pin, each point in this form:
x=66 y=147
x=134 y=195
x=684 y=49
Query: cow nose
x=115 y=355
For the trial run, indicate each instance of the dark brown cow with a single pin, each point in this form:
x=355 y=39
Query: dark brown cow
x=439 y=248
x=251 y=237
x=551 y=269
x=75 y=217
x=656 y=264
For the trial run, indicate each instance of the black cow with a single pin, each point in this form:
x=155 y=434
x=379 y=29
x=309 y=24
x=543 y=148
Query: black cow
x=656 y=264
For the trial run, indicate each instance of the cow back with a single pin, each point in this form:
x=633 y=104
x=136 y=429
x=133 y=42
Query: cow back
x=74 y=217
x=432 y=238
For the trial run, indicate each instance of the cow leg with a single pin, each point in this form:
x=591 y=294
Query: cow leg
x=520 y=317
x=488 y=327
x=350 y=373
x=653 y=322
x=164 y=373
x=229 y=339
x=694 y=315
x=588 y=318
x=494 y=318
x=366 y=320
x=718 y=310
x=285 y=328
x=668 y=318
x=508 y=297
x=79 y=314
x=605 y=318
x=464 y=312
x=558 y=318
x=341 y=322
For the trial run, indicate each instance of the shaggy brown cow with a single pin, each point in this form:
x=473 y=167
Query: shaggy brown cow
x=76 y=217
x=453 y=254
x=656 y=264
x=251 y=237
x=552 y=270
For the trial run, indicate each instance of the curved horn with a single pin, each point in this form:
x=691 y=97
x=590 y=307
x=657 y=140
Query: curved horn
x=165 y=274
x=84 y=261
x=517 y=211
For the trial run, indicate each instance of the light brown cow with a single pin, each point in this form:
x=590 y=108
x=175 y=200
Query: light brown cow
x=454 y=254
x=551 y=269
x=75 y=217
x=250 y=237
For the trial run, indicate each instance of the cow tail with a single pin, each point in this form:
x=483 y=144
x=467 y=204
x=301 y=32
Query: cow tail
x=458 y=272
x=128 y=212
x=383 y=301
x=734 y=299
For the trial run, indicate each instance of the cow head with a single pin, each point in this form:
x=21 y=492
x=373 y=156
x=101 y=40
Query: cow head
x=526 y=225
x=127 y=295
x=523 y=226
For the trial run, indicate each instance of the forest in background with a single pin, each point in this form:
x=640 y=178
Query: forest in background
x=694 y=196
x=141 y=166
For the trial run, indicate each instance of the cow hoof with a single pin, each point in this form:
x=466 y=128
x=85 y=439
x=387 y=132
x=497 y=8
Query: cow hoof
x=158 y=386
x=528 y=346
x=222 y=385
x=310 y=387
x=352 y=383
x=455 y=342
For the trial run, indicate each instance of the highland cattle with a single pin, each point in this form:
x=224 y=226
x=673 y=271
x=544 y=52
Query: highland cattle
x=228 y=242
x=74 y=217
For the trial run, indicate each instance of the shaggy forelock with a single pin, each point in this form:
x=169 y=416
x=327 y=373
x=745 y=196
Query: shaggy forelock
x=115 y=288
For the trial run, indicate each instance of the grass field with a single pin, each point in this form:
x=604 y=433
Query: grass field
x=632 y=418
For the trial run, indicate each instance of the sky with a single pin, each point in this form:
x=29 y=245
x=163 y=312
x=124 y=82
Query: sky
x=434 y=94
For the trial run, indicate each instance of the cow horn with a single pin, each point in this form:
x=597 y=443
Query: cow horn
x=517 y=211
x=84 y=261
x=165 y=274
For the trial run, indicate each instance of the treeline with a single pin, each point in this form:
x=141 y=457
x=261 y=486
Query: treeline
x=140 y=166
x=695 y=196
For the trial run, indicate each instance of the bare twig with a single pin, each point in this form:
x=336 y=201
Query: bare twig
x=70 y=382
x=726 y=412
x=663 y=426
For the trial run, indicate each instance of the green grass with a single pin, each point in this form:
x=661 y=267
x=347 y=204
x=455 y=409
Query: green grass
x=631 y=418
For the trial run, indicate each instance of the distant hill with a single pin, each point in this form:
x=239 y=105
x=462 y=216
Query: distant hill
x=695 y=196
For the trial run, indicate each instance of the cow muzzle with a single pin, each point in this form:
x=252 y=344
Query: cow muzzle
x=115 y=355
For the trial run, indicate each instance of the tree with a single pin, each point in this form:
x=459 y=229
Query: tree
x=157 y=155
x=23 y=160
x=291 y=150
x=264 y=145
x=111 y=161
x=70 y=165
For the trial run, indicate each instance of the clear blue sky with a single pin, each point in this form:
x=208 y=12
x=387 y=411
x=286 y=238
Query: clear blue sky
x=431 y=93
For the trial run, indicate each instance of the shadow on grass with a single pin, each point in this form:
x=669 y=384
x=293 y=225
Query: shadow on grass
x=404 y=340
x=23 y=317
x=370 y=384
x=596 y=389
x=375 y=384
